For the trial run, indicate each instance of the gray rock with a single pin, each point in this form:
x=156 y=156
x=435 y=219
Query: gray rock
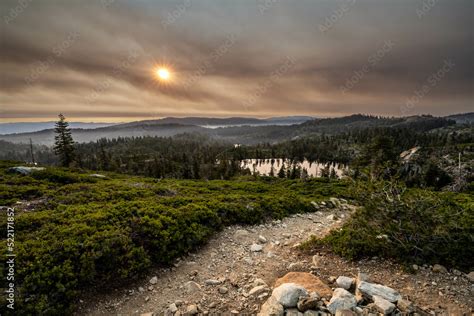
x=293 y=312
x=262 y=239
x=437 y=268
x=212 y=282
x=272 y=307
x=344 y=282
x=154 y=280
x=370 y=289
x=341 y=299
x=192 y=287
x=288 y=294
x=256 y=248
x=382 y=305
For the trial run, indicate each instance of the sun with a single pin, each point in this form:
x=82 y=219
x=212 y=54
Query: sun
x=163 y=74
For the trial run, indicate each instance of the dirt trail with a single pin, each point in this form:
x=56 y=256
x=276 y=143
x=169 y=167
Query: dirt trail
x=219 y=276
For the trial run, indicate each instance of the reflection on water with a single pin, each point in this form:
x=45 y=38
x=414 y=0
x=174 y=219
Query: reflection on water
x=265 y=167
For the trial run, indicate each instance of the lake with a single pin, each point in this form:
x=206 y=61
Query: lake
x=264 y=166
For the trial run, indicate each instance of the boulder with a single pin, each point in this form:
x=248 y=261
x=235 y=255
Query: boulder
x=341 y=299
x=383 y=306
x=307 y=280
x=272 y=307
x=288 y=294
x=344 y=282
x=370 y=289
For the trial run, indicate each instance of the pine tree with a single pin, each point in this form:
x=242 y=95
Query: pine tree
x=63 y=142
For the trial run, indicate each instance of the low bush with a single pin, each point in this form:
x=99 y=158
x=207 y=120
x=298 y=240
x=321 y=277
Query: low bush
x=408 y=226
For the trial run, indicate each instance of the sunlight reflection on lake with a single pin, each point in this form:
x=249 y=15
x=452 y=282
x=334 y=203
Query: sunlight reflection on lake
x=264 y=166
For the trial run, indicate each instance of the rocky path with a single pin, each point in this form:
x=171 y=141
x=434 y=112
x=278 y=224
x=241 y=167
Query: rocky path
x=235 y=271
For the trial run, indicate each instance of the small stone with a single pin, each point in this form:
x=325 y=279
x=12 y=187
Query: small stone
x=415 y=267
x=258 y=290
x=317 y=260
x=147 y=298
x=192 y=287
x=457 y=272
x=173 y=308
x=223 y=290
x=258 y=282
x=437 y=268
x=191 y=310
x=256 y=248
x=344 y=282
x=331 y=217
x=212 y=282
x=141 y=290
x=262 y=239
x=234 y=312
x=470 y=276
x=154 y=280
x=382 y=305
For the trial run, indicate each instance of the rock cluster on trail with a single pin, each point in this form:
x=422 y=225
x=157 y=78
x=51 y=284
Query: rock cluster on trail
x=302 y=298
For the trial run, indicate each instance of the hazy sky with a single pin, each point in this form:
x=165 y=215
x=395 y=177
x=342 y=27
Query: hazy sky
x=94 y=60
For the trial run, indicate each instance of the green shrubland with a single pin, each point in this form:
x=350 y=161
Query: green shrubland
x=87 y=231
x=406 y=225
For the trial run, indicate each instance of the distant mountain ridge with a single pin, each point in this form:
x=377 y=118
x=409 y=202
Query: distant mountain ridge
x=27 y=127
x=242 y=130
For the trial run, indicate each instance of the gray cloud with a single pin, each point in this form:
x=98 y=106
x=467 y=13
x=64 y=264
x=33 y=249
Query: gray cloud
x=213 y=78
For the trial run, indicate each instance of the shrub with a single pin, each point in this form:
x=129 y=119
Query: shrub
x=407 y=226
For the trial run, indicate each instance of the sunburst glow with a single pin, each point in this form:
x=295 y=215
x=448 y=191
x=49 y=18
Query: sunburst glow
x=163 y=74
